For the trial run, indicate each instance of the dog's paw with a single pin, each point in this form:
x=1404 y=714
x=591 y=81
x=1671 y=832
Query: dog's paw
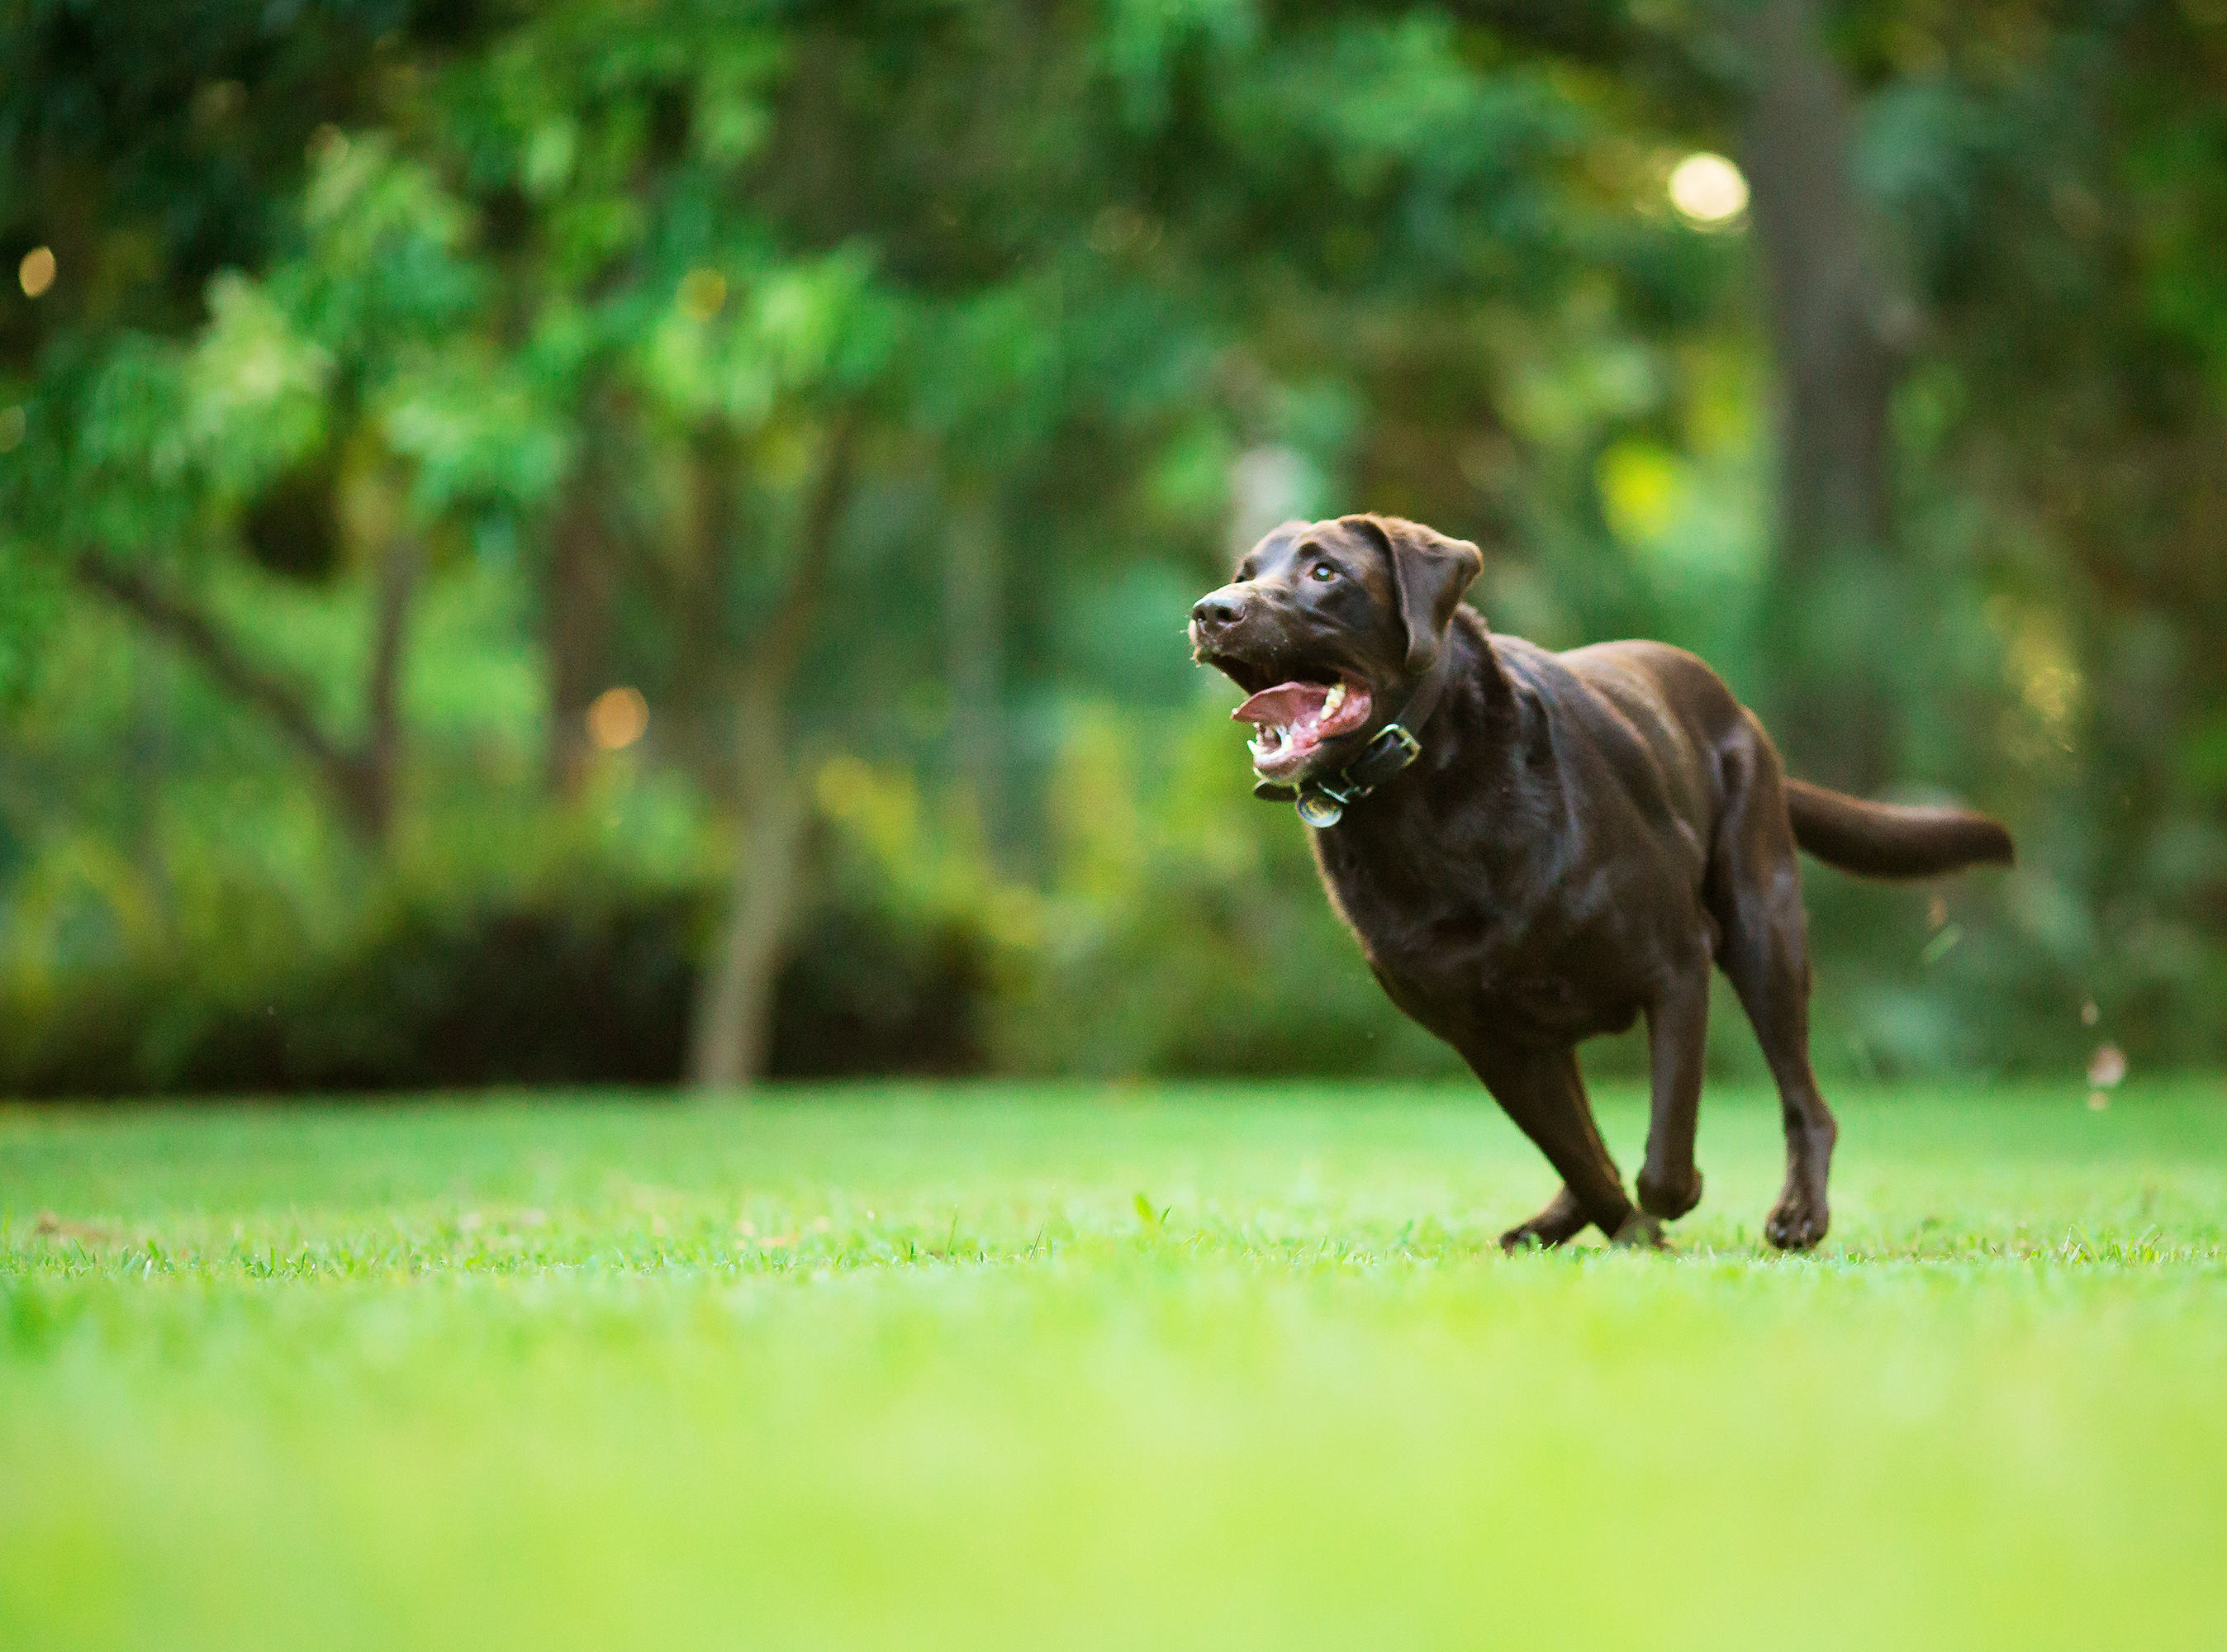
x=1797 y=1221
x=1558 y=1224
x=1668 y=1199
x=1640 y=1232
x=1538 y=1234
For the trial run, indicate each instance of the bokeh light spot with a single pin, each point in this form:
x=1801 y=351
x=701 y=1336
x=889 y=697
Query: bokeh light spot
x=618 y=718
x=12 y=425
x=36 y=272
x=1707 y=189
x=2107 y=1068
x=1643 y=489
x=703 y=294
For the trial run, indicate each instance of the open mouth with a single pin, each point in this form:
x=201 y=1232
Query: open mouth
x=1295 y=719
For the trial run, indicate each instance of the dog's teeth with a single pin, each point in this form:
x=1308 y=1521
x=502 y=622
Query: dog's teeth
x=1336 y=699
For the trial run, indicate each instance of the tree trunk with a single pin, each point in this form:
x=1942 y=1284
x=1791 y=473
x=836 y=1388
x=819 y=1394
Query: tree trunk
x=371 y=774
x=1838 y=340
x=734 y=1017
x=734 y=1008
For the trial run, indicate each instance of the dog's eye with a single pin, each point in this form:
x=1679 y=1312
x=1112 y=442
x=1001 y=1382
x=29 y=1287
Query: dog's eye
x=1324 y=571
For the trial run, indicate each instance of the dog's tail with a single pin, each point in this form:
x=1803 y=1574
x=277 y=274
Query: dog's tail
x=1887 y=840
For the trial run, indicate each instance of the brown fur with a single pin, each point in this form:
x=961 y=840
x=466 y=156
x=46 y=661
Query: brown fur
x=1583 y=837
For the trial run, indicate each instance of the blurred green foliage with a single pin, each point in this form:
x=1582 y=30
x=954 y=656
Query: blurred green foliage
x=411 y=374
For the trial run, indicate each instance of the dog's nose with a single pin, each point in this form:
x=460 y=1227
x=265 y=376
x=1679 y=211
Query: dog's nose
x=1219 y=609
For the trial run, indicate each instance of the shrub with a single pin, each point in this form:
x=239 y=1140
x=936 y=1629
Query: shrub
x=586 y=977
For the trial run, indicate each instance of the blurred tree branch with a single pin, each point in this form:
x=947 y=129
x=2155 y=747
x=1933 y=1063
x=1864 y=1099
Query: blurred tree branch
x=362 y=778
x=576 y=597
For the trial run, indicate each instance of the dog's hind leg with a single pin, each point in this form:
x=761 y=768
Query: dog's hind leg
x=1677 y=1044
x=1542 y=1091
x=1755 y=892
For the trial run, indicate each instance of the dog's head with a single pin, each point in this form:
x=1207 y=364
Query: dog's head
x=1329 y=628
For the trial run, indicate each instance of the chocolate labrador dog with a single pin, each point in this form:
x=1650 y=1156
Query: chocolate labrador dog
x=1533 y=848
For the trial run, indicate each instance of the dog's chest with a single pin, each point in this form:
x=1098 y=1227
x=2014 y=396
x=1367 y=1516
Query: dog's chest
x=1421 y=913
x=1462 y=937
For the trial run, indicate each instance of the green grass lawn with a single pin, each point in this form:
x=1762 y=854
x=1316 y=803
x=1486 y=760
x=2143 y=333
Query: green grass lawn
x=1135 y=1368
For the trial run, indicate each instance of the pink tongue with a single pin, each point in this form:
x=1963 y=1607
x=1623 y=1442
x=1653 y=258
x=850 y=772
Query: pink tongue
x=1283 y=705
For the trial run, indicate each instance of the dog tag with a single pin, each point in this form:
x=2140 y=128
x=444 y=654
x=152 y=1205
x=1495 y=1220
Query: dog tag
x=1317 y=810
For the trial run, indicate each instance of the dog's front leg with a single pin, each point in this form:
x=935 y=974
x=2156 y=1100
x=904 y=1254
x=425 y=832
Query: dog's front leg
x=1542 y=1092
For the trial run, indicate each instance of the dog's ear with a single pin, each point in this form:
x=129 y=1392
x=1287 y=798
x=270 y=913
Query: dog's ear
x=1430 y=571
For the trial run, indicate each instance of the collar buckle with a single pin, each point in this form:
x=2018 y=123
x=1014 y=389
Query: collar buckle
x=1392 y=751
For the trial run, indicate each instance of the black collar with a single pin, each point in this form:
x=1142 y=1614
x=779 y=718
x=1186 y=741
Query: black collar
x=1321 y=801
